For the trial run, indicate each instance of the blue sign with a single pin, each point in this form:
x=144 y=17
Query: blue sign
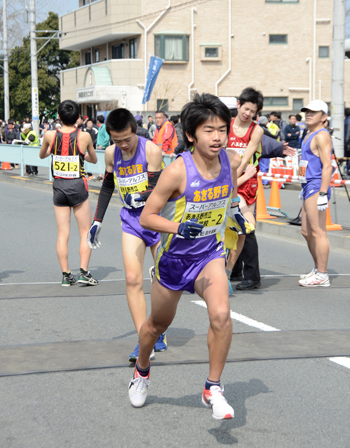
x=153 y=71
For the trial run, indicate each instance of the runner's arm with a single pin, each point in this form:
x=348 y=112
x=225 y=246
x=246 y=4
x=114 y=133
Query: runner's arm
x=252 y=148
x=235 y=162
x=107 y=187
x=45 y=149
x=171 y=184
x=86 y=141
x=324 y=145
x=154 y=168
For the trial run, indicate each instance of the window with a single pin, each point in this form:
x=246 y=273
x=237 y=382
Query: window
x=171 y=48
x=118 y=51
x=281 y=1
x=323 y=52
x=278 y=38
x=275 y=101
x=97 y=55
x=211 y=52
x=133 y=49
x=87 y=58
x=163 y=105
x=298 y=103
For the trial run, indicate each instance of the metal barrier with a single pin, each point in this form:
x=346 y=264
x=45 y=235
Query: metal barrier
x=29 y=155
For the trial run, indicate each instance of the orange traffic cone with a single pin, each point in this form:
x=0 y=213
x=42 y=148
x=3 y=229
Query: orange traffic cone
x=329 y=224
x=6 y=166
x=275 y=200
x=261 y=211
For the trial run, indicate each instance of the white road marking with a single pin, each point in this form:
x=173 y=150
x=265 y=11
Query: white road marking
x=244 y=319
x=341 y=360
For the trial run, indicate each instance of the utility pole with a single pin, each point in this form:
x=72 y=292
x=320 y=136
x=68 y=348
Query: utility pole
x=6 y=64
x=34 y=68
x=338 y=56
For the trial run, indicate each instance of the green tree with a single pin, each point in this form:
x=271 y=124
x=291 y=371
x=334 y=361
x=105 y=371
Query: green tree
x=51 y=60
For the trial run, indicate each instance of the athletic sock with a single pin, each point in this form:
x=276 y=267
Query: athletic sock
x=322 y=274
x=210 y=383
x=143 y=372
x=82 y=271
x=66 y=274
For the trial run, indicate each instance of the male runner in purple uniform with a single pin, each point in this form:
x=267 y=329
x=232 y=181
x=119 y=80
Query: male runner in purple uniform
x=316 y=168
x=134 y=164
x=189 y=207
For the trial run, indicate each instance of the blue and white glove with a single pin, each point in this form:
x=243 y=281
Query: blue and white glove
x=322 y=203
x=92 y=237
x=190 y=229
x=236 y=215
x=134 y=200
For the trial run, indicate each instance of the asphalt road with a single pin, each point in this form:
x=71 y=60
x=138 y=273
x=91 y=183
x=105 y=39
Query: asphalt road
x=284 y=404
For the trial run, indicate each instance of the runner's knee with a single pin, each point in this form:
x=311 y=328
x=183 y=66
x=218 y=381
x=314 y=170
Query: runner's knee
x=220 y=319
x=133 y=279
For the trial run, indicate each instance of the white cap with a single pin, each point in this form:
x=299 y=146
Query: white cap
x=26 y=126
x=316 y=106
x=229 y=101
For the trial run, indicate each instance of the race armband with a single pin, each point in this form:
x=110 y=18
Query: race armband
x=104 y=196
x=153 y=177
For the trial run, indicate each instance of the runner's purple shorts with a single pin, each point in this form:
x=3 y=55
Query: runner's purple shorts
x=131 y=224
x=180 y=274
x=312 y=187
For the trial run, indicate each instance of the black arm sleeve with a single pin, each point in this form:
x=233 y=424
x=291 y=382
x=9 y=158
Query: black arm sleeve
x=153 y=177
x=104 y=196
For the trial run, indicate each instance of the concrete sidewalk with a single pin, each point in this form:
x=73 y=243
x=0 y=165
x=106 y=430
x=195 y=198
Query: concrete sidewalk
x=279 y=227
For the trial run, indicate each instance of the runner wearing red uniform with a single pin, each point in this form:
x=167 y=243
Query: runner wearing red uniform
x=245 y=138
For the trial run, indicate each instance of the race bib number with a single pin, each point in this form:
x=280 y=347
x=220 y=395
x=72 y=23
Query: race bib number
x=66 y=166
x=210 y=214
x=133 y=184
x=302 y=170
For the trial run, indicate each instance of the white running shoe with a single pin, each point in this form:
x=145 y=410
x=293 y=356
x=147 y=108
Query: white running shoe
x=214 y=399
x=315 y=280
x=138 y=389
x=151 y=272
x=309 y=274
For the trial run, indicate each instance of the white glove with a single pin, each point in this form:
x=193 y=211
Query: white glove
x=134 y=200
x=301 y=195
x=92 y=237
x=322 y=203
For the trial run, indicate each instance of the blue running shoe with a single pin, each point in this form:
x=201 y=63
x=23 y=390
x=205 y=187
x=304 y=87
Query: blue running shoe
x=230 y=290
x=135 y=354
x=161 y=344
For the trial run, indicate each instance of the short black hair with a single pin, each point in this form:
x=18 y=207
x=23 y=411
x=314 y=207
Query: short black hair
x=200 y=109
x=160 y=112
x=119 y=120
x=298 y=117
x=250 y=95
x=292 y=115
x=174 y=119
x=100 y=118
x=347 y=111
x=69 y=112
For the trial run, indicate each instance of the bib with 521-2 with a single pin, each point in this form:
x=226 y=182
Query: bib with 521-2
x=66 y=166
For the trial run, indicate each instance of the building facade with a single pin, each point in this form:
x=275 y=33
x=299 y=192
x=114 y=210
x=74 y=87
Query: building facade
x=283 y=48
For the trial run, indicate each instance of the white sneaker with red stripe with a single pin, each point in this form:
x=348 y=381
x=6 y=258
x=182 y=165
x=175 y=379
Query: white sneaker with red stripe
x=315 y=280
x=138 y=388
x=215 y=400
x=309 y=274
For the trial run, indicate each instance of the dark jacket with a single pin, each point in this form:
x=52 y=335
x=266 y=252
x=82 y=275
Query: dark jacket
x=271 y=148
x=293 y=139
x=142 y=132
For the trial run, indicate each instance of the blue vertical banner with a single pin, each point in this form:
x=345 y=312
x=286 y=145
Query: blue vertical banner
x=153 y=71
